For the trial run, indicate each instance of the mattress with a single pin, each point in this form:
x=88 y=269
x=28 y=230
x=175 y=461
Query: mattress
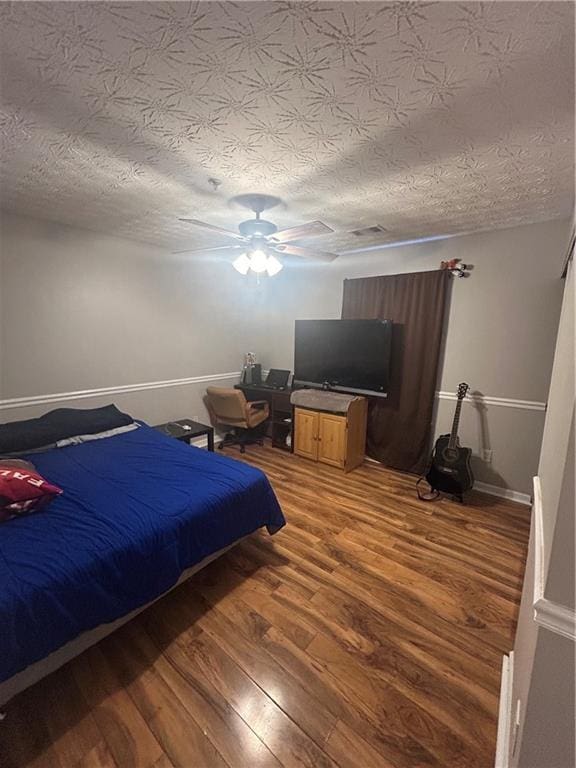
x=137 y=510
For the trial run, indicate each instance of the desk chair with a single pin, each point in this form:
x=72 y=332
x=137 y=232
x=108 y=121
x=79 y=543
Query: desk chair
x=230 y=408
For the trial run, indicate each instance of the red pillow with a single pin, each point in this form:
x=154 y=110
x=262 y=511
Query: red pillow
x=22 y=489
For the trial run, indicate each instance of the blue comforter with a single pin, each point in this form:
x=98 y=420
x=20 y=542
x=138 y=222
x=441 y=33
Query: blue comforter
x=137 y=510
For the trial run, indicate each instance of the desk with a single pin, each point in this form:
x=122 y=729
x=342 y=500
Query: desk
x=280 y=411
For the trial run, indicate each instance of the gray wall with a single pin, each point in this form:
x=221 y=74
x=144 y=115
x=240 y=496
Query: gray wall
x=556 y=438
x=80 y=310
x=561 y=579
x=544 y=674
x=547 y=737
x=500 y=337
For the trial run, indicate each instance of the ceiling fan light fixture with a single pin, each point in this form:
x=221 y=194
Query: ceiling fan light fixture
x=258 y=261
x=273 y=266
x=261 y=240
x=242 y=264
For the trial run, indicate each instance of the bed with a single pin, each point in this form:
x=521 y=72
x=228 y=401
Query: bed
x=140 y=511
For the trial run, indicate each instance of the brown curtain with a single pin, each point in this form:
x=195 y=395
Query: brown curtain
x=399 y=427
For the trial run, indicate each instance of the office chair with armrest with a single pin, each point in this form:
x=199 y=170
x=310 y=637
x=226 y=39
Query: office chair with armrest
x=230 y=408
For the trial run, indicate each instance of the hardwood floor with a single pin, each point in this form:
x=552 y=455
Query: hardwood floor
x=368 y=633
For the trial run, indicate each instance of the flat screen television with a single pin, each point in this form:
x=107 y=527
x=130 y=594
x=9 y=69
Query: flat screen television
x=343 y=355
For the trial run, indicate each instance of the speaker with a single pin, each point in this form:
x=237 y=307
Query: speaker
x=252 y=374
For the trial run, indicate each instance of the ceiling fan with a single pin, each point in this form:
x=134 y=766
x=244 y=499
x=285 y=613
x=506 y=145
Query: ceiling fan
x=260 y=242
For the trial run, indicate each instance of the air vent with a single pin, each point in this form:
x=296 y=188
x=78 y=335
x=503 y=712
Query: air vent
x=365 y=231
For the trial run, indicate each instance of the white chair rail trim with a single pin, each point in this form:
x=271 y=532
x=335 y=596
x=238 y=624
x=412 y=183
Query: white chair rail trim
x=505 y=712
x=553 y=616
x=505 y=402
x=62 y=397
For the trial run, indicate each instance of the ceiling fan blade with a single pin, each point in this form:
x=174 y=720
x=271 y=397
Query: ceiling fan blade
x=307 y=253
x=211 y=227
x=310 y=229
x=220 y=248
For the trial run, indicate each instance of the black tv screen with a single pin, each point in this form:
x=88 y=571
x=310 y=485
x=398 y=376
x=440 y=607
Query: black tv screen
x=345 y=355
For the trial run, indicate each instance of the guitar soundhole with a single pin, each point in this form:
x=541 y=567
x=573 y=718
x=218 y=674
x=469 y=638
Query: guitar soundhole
x=450 y=455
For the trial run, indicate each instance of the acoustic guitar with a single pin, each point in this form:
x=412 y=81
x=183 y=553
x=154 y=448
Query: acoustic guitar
x=450 y=470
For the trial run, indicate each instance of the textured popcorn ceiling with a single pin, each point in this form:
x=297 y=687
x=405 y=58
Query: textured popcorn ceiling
x=422 y=117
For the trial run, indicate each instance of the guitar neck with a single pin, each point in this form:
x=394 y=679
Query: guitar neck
x=455 y=423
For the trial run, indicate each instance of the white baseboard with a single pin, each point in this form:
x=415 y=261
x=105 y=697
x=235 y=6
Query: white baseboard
x=504 y=493
x=539 y=575
x=505 y=712
x=492 y=490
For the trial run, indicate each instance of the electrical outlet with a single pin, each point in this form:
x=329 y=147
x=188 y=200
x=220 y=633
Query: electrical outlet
x=487 y=455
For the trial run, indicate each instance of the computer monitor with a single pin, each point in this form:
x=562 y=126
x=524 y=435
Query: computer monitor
x=277 y=378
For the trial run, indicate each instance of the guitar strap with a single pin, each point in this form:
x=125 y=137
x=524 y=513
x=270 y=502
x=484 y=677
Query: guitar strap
x=432 y=494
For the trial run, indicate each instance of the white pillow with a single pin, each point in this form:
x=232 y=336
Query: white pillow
x=78 y=439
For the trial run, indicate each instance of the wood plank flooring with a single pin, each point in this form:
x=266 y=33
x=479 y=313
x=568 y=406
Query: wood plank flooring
x=368 y=633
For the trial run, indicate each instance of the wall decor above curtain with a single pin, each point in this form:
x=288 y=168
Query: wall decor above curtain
x=400 y=427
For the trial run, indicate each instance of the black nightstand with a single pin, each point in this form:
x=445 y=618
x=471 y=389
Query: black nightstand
x=196 y=429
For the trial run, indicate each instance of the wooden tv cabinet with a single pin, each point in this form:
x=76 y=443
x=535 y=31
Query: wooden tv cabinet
x=338 y=439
